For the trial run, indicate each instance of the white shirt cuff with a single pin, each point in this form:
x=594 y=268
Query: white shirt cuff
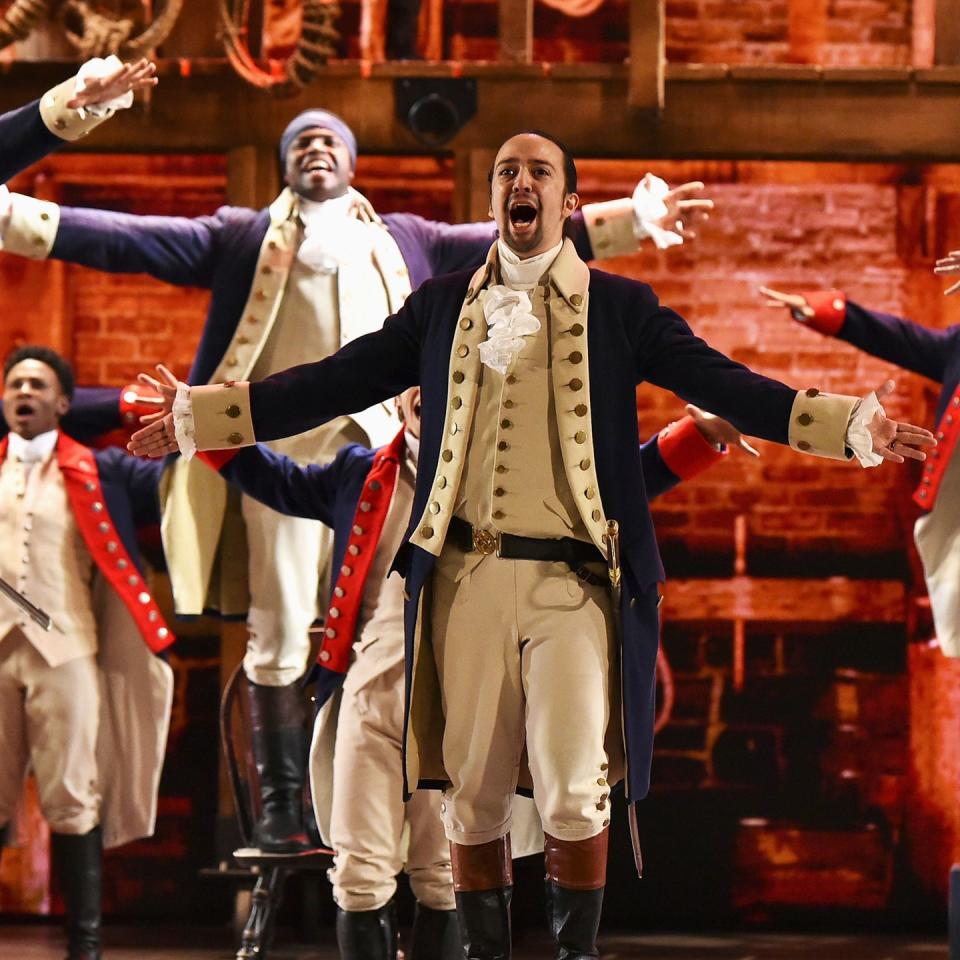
x=649 y=208
x=858 y=437
x=96 y=69
x=183 y=425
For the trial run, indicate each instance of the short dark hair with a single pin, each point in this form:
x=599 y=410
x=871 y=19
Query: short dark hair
x=569 y=166
x=59 y=365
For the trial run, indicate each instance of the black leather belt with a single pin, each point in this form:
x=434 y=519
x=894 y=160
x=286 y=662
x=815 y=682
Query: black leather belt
x=574 y=553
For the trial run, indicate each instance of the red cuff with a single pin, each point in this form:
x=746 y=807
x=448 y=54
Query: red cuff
x=830 y=311
x=131 y=409
x=217 y=459
x=685 y=450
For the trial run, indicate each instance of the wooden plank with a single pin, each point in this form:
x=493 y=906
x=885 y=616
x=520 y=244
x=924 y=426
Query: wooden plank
x=774 y=600
x=516 y=31
x=646 y=90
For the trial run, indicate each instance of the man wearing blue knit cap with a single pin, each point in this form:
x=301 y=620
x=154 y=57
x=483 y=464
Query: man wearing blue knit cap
x=291 y=283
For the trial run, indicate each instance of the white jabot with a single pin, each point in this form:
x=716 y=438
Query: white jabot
x=331 y=235
x=96 y=69
x=33 y=451
x=523 y=274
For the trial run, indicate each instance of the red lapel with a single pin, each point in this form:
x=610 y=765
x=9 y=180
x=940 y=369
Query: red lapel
x=948 y=432
x=371 y=513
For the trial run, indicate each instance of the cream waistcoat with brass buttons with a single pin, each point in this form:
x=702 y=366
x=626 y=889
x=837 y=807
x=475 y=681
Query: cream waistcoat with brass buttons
x=43 y=555
x=548 y=482
x=288 y=305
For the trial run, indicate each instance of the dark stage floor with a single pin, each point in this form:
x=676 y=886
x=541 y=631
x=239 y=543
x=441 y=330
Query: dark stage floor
x=42 y=943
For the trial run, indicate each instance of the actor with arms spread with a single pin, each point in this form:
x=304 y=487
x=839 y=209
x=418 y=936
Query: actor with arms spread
x=934 y=354
x=290 y=284
x=67 y=523
x=528 y=369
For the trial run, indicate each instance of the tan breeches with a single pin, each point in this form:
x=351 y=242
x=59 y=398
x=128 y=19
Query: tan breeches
x=525 y=656
x=369 y=818
x=288 y=569
x=49 y=718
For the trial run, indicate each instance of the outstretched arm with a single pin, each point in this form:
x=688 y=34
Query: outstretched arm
x=903 y=342
x=67 y=112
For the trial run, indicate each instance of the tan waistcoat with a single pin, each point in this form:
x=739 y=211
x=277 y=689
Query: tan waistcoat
x=43 y=555
x=514 y=479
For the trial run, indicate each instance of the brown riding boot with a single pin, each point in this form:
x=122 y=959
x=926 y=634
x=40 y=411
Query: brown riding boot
x=576 y=874
x=483 y=886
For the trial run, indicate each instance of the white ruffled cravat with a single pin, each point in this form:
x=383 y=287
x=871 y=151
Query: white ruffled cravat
x=507 y=306
x=332 y=237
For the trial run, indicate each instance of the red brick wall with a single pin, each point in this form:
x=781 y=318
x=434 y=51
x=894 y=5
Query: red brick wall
x=858 y=32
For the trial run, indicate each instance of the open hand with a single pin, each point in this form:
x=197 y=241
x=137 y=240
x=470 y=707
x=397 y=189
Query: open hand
x=717 y=431
x=685 y=208
x=896 y=441
x=947 y=266
x=130 y=77
x=158 y=437
x=796 y=304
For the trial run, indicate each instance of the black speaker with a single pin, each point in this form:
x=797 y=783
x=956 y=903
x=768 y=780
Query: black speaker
x=434 y=109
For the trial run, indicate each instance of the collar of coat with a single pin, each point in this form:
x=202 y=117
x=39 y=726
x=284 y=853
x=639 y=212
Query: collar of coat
x=568 y=275
x=85 y=493
x=287 y=207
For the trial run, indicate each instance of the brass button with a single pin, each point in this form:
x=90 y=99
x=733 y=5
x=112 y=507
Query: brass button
x=575 y=357
x=458 y=376
x=469 y=292
x=577 y=329
x=506 y=424
x=334 y=612
x=804 y=419
x=346 y=570
x=465 y=323
x=498 y=514
x=357 y=530
x=602 y=805
x=261 y=294
x=235 y=438
x=330 y=632
x=508 y=403
x=604 y=766
x=576 y=299
x=596 y=515
x=454 y=429
x=253 y=319
x=353 y=550
x=339 y=592
x=60 y=124
x=803 y=445
x=499 y=492
x=44 y=216
x=511 y=379
x=233 y=411
x=580 y=437
x=441 y=482
x=813 y=392
x=601 y=781
x=434 y=507
x=503 y=445
x=266 y=270
x=447 y=456
x=324 y=655
x=580 y=409
x=272 y=245
x=837 y=304
x=462 y=350
x=590 y=492
x=576 y=384
x=426 y=532
x=585 y=463
x=457 y=403
x=365 y=506
x=103 y=526
x=242 y=340
x=501 y=468
x=606 y=823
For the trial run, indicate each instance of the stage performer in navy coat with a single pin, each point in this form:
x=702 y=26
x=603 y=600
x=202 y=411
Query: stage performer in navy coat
x=291 y=283
x=934 y=354
x=528 y=368
x=87 y=703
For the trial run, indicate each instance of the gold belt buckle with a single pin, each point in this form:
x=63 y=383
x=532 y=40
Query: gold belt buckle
x=486 y=542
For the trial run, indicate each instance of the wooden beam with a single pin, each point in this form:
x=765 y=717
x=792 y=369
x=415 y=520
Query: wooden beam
x=947 y=33
x=785 y=601
x=516 y=31
x=647 y=54
x=252 y=175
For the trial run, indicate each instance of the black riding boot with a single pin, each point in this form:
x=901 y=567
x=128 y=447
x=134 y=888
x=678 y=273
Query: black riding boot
x=436 y=935
x=280 y=753
x=368 y=934
x=574 y=918
x=77 y=864
x=483 y=886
